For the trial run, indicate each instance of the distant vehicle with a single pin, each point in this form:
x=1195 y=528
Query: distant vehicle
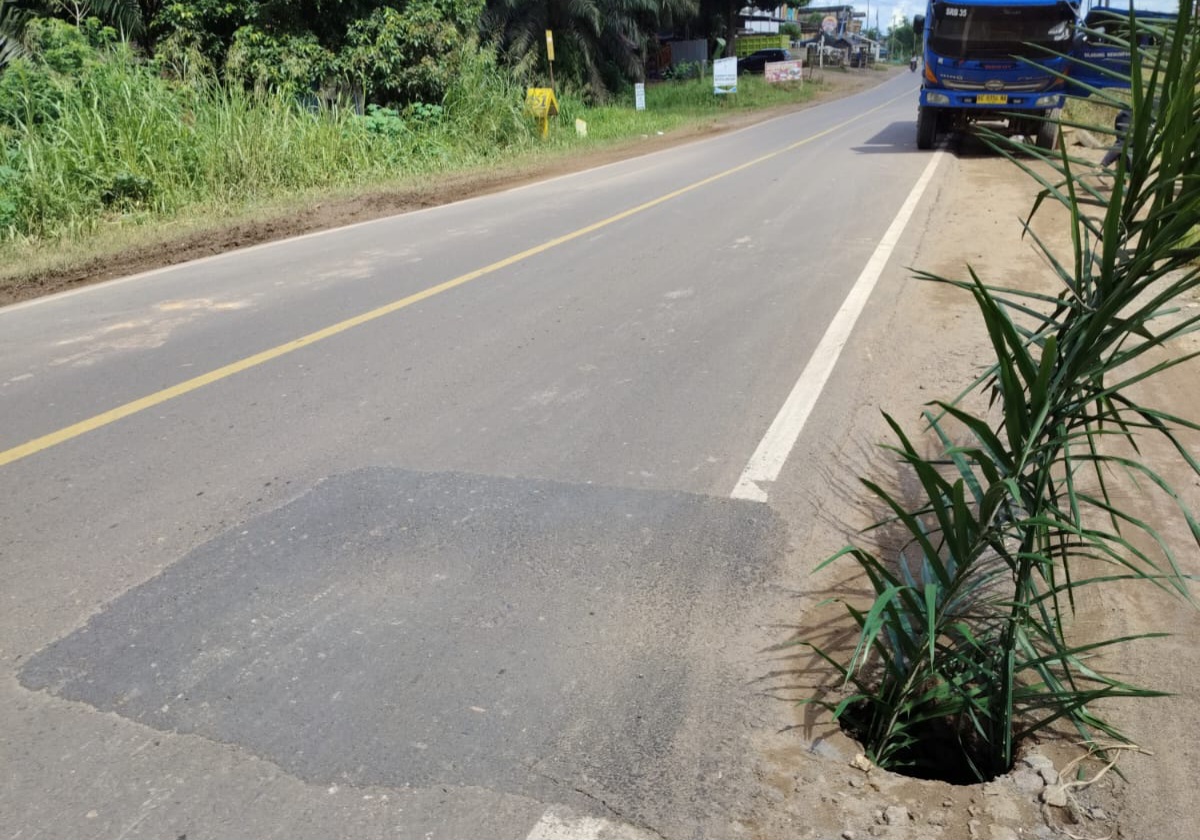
x=756 y=62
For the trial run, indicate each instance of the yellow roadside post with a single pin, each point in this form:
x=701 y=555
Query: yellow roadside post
x=550 y=55
x=541 y=105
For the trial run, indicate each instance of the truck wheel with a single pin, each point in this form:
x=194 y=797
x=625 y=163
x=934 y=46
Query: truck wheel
x=927 y=123
x=1047 y=134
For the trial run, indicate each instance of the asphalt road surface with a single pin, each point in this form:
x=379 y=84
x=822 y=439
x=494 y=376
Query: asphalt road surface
x=423 y=527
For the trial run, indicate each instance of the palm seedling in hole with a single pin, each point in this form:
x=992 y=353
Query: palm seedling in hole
x=966 y=648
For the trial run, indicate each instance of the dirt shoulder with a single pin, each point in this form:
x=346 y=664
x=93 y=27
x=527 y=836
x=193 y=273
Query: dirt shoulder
x=139 y=250
x=919 y=342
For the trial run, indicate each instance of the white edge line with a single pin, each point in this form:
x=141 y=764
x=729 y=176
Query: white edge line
x=116 y=281
x=775 y=447
x=554 y=827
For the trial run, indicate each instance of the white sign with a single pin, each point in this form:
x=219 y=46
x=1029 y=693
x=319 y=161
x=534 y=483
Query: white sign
x=784 y=71
x=725 y=75
x=639 y=96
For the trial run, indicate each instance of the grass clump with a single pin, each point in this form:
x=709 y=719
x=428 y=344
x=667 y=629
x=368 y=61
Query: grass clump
x=965 y=649
x=97 y=136
x=95 y=140
x=670 y=105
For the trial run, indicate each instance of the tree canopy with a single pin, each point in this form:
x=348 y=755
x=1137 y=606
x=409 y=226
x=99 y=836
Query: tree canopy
x=393 y=52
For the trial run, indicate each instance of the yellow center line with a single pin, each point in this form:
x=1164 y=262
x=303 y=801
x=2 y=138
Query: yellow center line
x=67 y=433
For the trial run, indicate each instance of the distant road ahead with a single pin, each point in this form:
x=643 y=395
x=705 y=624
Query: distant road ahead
x=422 y=528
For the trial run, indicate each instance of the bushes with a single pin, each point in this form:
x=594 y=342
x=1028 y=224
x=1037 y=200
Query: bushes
x=402 y=57
x=113 y=138
x=289 y=64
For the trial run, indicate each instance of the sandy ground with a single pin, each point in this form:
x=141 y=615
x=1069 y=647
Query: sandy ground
x=922 y=341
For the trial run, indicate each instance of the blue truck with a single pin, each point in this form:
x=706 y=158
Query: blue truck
x=972 y=72
x=1008 y=61
x=1098 y=46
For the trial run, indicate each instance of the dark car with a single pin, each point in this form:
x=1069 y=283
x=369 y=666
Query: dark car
x=756 y=62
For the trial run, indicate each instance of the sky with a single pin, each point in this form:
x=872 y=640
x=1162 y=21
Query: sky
x=889 y=10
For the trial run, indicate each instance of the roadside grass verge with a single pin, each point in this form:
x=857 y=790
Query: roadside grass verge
x=669 y=106
x=109 y=156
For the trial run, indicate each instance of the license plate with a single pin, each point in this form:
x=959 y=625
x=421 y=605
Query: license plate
x=992 y=99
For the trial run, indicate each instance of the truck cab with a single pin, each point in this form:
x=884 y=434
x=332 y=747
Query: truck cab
x=991 y=61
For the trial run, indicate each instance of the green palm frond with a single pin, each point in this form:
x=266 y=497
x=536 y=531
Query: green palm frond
x=966 y=640
x=14 y=14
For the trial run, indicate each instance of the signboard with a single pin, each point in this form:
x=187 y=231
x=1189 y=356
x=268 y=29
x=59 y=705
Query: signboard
x=725 y=75
x=540 y=102
x=639 y=96
x=549 y=45
x=784 y=71
x=541 y=105
x=829 y=24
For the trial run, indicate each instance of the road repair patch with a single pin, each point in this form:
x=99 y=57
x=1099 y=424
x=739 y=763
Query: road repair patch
x=399 y=628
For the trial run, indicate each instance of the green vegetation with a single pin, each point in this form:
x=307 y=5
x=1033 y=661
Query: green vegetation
x=116 y=114
x=1018 y=517
x=93 y=135
x=671 y=105
x=96 y=139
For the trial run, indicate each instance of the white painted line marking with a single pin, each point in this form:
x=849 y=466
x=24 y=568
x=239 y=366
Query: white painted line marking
x=552 y=826
x=773 y=450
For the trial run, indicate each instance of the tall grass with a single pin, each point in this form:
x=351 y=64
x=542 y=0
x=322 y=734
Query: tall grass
x=118 y=141
x=674 y=103
x=966 y=648
x=92 y=137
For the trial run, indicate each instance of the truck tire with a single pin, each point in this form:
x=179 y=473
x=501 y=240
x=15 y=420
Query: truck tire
x=927 y=123
x=1047 y=133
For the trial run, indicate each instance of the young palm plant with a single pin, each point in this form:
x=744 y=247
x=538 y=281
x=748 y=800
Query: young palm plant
x=965 y=650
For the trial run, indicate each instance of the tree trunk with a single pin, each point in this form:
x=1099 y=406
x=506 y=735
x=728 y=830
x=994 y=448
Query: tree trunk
x=731 y=28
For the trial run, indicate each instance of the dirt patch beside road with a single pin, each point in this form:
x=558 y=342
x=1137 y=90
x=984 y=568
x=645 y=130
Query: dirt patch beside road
x=919 y=342
x=167 y=245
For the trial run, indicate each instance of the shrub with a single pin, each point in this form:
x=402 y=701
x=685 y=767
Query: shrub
x=29 y=95
x=964 y=650
x=289 y=64
x=403 y=57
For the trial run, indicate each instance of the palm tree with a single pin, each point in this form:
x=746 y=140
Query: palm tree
x=13 y=16
x=132 y=18
x=592 y=38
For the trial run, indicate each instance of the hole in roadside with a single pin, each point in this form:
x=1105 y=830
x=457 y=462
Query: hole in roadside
x=944 y=749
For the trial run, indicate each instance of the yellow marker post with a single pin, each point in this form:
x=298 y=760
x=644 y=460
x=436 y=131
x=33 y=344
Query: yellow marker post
x=541 y=105
x=550 y=55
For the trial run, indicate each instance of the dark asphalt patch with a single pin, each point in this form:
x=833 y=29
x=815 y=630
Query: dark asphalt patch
x=400 y=628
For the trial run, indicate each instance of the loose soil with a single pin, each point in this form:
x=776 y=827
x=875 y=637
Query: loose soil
x=163 y=245
x=918 y=342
